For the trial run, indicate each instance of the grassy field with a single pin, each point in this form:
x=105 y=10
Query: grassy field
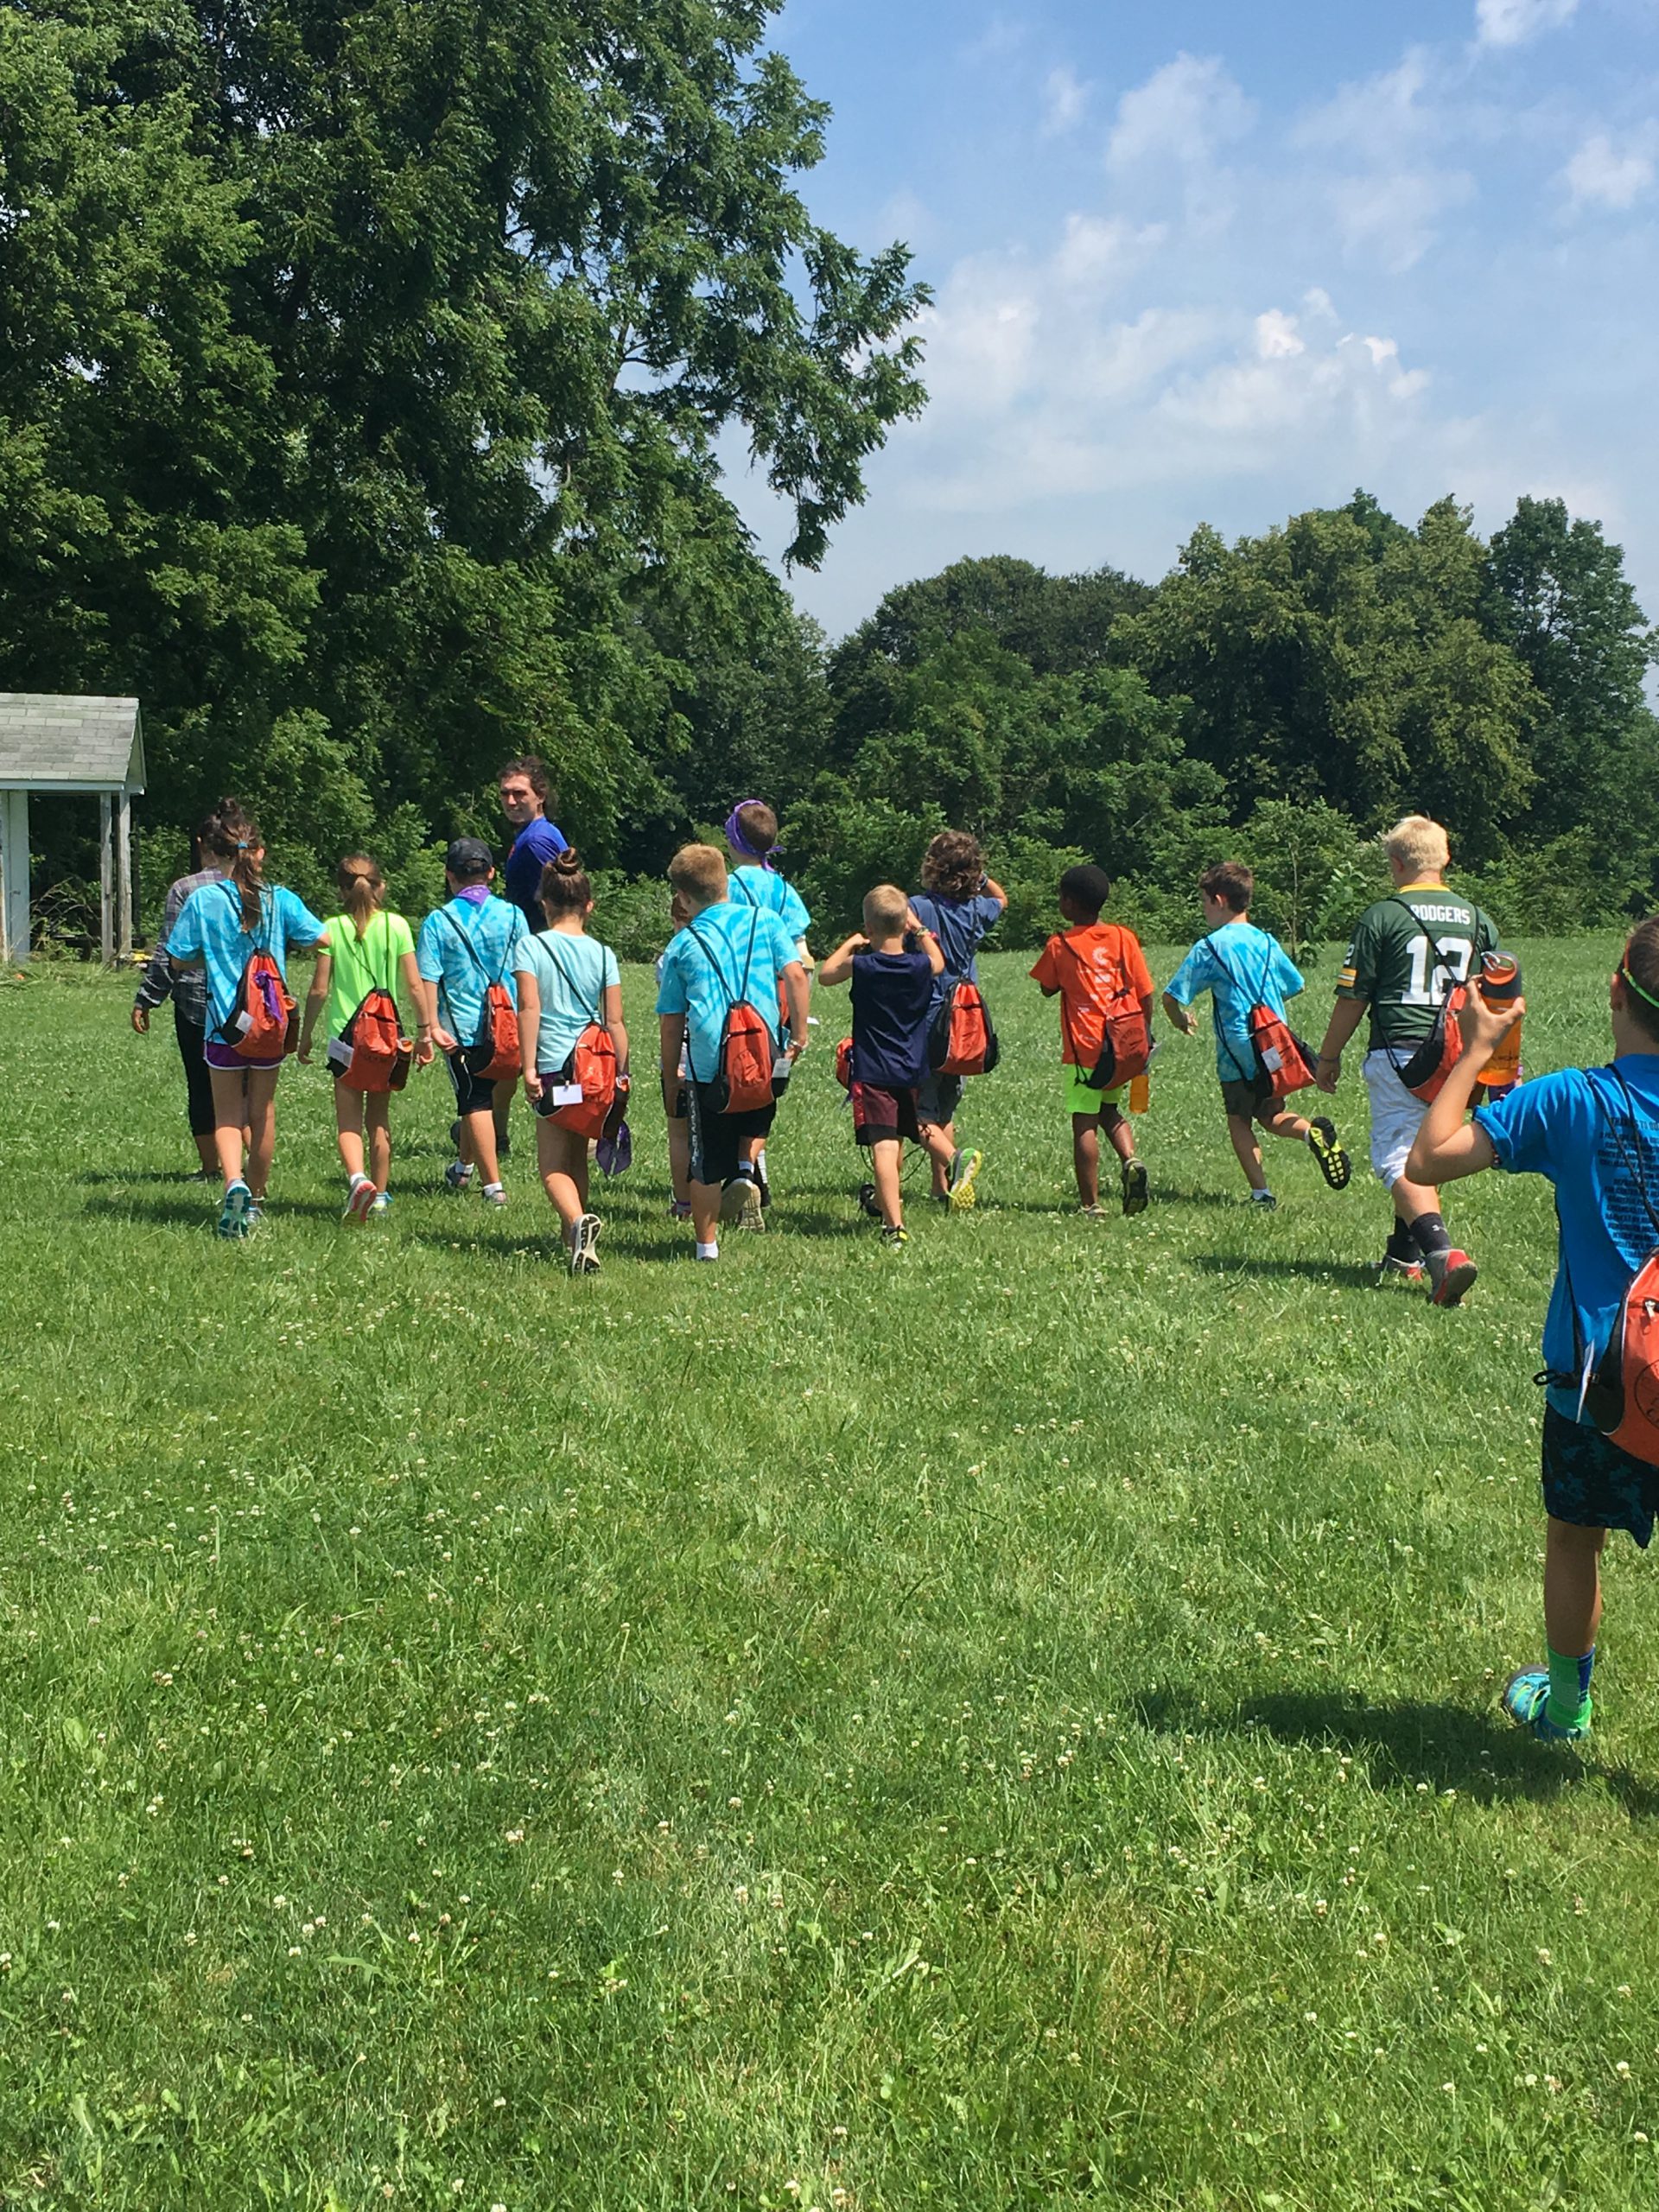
x=1009 y=1723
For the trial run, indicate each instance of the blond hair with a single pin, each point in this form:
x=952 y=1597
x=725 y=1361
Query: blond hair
x=885 y=908
x=1417 y=844
x=362 y=890
x=698 y=873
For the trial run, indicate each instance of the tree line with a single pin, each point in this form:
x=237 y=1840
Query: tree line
x=361 y=372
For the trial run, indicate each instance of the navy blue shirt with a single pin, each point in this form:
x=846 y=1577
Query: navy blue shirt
x=893 y=997
x=959 y=925
x=536 y=844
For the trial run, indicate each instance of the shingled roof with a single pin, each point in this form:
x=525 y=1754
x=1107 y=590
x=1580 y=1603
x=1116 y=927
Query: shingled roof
x=52 y=743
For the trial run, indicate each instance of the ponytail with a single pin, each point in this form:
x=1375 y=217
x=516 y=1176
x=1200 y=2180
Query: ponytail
x=362 y=890
x=565 y=888
x=244 y=846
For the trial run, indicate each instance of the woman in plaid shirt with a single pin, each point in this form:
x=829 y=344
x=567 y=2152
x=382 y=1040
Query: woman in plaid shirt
x=213 y=841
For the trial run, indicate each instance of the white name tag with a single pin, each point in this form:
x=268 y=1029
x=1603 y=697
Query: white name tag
x=340 y=1053
x=566 y=1094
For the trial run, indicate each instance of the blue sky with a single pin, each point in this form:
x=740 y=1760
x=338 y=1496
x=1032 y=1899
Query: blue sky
x=1214 y=262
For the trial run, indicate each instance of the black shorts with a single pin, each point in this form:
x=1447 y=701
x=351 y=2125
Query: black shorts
x=882 y=1116
x=715 y=1137
x=1248 y=1098
x=1593 y=1482
x=937 y=1098
x=473 y=1096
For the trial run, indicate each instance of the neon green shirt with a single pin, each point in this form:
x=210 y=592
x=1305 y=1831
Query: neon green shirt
x=360 y=967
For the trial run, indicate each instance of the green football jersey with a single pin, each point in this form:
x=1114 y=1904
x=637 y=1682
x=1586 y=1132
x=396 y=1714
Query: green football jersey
x=1403 y=975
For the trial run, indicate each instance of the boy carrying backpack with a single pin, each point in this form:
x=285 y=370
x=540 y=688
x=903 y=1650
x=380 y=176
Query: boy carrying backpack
x=1259 y=1062
x=1594 y=1132
x=1099 y=974
x=719 y=997
x=465 y=954
x=959 y=903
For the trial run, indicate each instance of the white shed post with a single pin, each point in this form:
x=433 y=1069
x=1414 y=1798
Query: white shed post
x=106 y=879
x=13 y=876
x=123 y=915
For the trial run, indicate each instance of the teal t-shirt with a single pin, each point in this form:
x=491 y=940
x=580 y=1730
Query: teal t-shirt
x=766 y=889
x=209 y=931
x=1241 y=967
x=729 y=952
x=572 y=974
x=463 y=948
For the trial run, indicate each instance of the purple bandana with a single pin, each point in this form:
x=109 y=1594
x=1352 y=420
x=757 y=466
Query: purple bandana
x=740 y=844
x=474 y=893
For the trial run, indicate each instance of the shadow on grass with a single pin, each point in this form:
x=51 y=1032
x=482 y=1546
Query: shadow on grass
x=1167 y=1194
x=180 y=1178
x=202 y=1209
x=1405 y=1741
x=1353 y=1273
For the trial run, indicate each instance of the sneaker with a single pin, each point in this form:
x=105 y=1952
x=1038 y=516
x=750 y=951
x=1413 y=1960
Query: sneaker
x=233 y=1215
x=496 y=1196
x=359 y=1200
x=1526 y=1695
x=1452 y=1273
x=1135 y=1193
x=256 y=1212
x=762 y=1185
x=382 y=1202
x=1327 y=1149
x=203 y=1175
x=739 y=1203
x=893 y=1234
x=869 y=1202
x=458 y=1174
x=1389 y=1269
x=1095 y=1212
x=584 y=1241
x=964 y=1172
x=1264 y=1201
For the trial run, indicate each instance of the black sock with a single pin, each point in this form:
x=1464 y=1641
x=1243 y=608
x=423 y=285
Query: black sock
x=1402 y=1246
x=1429 y=1230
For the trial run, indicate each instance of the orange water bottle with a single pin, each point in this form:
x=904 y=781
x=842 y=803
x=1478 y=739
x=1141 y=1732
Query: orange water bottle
x=1499 y=984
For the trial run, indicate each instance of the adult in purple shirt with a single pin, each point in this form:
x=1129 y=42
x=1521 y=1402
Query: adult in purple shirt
x=525 y=789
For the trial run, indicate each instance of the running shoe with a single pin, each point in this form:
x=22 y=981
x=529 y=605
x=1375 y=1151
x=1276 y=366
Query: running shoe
x=358 y=1201
x=458 y=1174
x=739 y=1203
x=498 y=1197
x=1264 y=1201
x=234 y=1214
x=203 y=1175
x=1095 y=1212
x=1135 y=1193
x=584 y=1245
x=256 y=1212
x=1390 y=1270
x=895 y=1235
x=1526 y=1695
x=382 y=1203
x=1452 y=1273
x=964 y=1172
x=1327 y=1149
x=869 y=1202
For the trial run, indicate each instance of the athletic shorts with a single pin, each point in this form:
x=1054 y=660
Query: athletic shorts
x=1246 y=1098
x=1396 y=1116
x=883 y=1116
x=1590 y=1481
x=224 y=1058
x=1082 y=1098
x=937 y=1098
x=473 y=1095
x=715 y=1138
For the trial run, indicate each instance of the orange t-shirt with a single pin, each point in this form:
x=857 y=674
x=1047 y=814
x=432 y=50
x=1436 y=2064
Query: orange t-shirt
x=1090 y=966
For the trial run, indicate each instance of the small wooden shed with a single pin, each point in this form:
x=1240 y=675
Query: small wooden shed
x=62 y=744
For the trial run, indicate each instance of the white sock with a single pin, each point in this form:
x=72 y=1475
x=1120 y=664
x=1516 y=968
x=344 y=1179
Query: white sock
x=488 y=1187
x=760 y=1163
x=711 y=1251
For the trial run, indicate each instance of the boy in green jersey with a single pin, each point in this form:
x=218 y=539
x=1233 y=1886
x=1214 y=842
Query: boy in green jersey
x=1408 y=952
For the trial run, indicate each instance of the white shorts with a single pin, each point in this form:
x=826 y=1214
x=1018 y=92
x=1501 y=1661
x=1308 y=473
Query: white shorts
x=1396 y=1116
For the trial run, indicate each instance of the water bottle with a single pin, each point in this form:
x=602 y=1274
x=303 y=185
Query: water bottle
x=1499 y=984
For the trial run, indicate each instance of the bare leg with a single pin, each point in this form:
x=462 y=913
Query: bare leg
x=885 y=1156
x=679 y=1157
x=1085 y=1157
x=348 y=1130
x=1119 y=1131
x=207 y=1151
x=478 y=1138
x=377 y=1111
x=940 y=1141
x=230 y=1123
x=564 y=1159
x=1280 y=1121
x=262 y=1127
x=705 y=1212
x=1573 y=1587
x=1411 y=1199
x=1242 y=1134
x=504 y=1091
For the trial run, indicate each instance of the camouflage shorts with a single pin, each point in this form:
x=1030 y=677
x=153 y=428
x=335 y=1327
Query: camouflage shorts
x=1590 y=1481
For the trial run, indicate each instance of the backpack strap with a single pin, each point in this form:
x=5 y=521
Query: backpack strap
x=713 y=958
x=544 y=937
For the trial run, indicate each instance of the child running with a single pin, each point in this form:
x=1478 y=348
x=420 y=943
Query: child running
x=567 y=981
x=221 y=927
x=725 y=955
x=754 y=880
x=1594 y=1134
x=1241 y=967
x=366 y=948
x=466 y=946
x=1094 y=968
x=893 y=962
x=960 y=904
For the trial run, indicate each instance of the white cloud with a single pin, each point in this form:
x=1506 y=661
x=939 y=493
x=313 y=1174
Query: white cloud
x=1395 y=219
x=1377 y=119
x=1184 y=113
x=1598 y=174
x=1277 y=336
x=1097 y=251
x=1514 y=22
x=1065 y=96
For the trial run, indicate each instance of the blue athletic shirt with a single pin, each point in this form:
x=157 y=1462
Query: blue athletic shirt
x=766 y=889
x=960 y=925
x=1567 y=1127
x=892 y=995
x=572 y=973
x=536 y=844
x=209 y=929
x=701 y=980
x=1241 y=967
x=493 y=929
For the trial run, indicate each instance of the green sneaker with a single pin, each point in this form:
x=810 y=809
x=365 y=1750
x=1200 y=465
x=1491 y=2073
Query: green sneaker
x=1136 y=1191
x=964 y=1172
x=1525 y=1696
x=894 y=1236
x=1330 y=1152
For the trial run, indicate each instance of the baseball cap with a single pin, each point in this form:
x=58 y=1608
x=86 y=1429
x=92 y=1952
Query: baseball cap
x=468 y=856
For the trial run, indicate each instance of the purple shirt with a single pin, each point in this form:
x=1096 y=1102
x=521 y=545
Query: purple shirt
x=536 y=844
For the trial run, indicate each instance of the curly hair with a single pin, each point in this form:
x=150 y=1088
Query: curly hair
x=953 y=865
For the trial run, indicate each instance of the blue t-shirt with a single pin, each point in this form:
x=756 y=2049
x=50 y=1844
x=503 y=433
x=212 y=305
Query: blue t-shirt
x=892 y=1001
x=1568 y=1126
x=209 y=929
x=766 y=889
x=1241 y=967
x=736 y=952
x=463 y=948
x=571 y=974
x=536 y=844
x=960 y=925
